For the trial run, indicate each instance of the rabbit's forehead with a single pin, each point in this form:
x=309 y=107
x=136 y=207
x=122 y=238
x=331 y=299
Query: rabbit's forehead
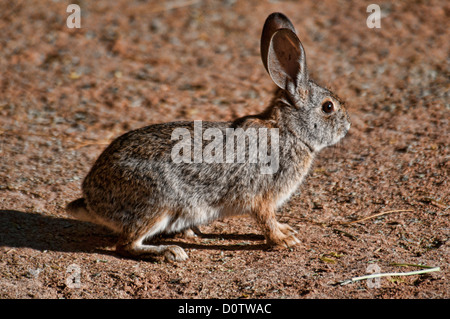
x=319 y=93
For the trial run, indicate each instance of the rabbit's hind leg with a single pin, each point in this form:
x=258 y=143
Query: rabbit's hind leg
x=130 y=244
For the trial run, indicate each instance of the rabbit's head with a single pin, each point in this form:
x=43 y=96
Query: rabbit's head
x=311 y=112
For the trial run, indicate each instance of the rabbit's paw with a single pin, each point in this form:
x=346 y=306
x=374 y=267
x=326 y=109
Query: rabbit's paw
x=188 y=233
x=286 y=229
x=191 y=232
x=283 y=240
x=291 y=241
x=288 y=241
x=175 y=253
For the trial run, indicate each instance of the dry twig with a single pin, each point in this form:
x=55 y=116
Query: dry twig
x=411 y=273
x=377 y=215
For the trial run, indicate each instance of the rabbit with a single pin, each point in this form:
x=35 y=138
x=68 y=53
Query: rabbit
x=136 y=188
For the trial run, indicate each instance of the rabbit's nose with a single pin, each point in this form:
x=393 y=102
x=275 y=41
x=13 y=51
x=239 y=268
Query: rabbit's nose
x=347 y=125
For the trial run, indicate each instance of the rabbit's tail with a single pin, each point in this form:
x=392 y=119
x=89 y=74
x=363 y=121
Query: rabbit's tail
x=78 y=210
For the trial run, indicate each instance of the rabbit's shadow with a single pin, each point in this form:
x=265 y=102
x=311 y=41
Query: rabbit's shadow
x=212 y=242
x=41 y=232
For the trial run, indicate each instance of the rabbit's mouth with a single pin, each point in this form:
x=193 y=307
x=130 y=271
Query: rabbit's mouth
x=345 y=130
x=348 y=124
x=342 y=132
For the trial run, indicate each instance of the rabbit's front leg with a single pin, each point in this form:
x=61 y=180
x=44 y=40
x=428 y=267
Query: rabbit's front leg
x=277 y=234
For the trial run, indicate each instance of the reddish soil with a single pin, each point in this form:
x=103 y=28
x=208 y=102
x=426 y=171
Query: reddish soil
x=66 y=93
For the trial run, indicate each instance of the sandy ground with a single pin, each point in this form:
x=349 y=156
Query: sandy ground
x=66 y=93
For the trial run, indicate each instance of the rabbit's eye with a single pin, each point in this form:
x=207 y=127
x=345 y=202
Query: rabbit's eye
x=328 y=107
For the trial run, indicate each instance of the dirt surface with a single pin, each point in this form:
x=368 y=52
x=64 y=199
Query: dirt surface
x=66 y=93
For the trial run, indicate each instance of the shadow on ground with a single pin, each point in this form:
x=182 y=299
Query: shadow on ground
x=21 y=229
x=33 y=230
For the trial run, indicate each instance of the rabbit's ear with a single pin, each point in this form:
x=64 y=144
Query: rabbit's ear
x=286 y=61
x=274 y=22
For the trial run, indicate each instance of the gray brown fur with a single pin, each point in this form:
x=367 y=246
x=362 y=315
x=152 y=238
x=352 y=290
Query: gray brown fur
x=137 y=190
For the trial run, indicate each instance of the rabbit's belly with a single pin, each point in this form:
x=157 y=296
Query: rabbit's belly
x=193 y=217
x=201 y=216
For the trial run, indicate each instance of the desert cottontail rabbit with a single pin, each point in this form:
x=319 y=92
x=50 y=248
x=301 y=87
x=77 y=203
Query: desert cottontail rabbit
x=141 y=186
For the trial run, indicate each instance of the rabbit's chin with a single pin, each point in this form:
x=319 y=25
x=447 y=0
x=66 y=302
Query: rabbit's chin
x=337 y=139
x=317 y=148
